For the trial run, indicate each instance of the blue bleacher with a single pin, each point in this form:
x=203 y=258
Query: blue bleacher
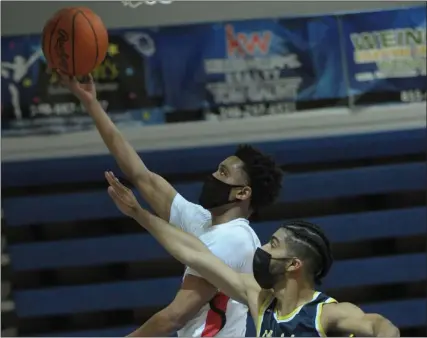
x=299 y=187
x=193 y=160
x=143 y=247
x=161 y=291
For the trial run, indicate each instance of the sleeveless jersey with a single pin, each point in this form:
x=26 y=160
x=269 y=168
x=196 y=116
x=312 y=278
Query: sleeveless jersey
x=304 y=321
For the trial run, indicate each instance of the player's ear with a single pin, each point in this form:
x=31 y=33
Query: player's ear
x=294 y=265
x=244 y=193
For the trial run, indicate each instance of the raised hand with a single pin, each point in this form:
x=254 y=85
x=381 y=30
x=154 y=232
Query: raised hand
x=85 y=90
x=122 y=196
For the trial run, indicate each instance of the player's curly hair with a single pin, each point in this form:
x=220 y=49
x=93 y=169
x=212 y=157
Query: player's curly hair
x=308 y=242
x=264 y=174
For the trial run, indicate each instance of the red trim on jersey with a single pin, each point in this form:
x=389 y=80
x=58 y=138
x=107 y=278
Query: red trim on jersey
x=215 y=319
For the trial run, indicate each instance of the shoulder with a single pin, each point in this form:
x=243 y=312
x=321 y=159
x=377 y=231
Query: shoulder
x=234 y=234
x=180 y=202
x=240 y=234
x=334 y=312
x=189 y=215
x=338 y=309
x=233 y=243
x=242 y=228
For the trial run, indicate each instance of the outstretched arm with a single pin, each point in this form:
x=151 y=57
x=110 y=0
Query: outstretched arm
x=347 y=318
x=158 y=193
x=186 y=248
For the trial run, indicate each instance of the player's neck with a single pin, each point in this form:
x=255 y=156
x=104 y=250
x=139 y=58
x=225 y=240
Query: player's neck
x=292 y=295
x=224 y=215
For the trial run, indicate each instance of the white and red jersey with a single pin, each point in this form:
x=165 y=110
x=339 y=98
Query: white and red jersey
x=234 y=243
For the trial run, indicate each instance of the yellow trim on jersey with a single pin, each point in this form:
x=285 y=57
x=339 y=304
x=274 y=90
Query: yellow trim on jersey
x=261 y=311
x=319 y=315
x=297 y=310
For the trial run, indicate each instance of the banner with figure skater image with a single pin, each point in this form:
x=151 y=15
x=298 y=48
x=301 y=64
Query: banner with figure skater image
x=34 y=102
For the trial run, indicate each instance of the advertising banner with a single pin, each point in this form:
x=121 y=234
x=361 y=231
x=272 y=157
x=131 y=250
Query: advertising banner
x=385 y=55
x=252 y=68
x=226 y=70
x=34 y=102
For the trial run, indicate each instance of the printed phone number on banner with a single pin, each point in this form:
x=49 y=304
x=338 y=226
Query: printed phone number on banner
x=60 y=109
x=251 y=110
x=416 y=95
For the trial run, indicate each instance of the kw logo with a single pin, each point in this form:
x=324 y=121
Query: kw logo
x=247 y=44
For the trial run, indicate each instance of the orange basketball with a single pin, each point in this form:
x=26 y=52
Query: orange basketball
x=75 y=41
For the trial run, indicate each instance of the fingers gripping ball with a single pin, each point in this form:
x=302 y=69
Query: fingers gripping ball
x=75 y=41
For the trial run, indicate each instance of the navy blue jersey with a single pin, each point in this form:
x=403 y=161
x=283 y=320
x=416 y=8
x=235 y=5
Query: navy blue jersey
x=304 y=321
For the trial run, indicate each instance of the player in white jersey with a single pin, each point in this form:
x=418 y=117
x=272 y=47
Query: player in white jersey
x=242 y=183
x=220 y=316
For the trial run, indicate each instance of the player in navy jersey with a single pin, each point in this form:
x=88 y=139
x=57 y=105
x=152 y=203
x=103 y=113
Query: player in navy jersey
x=281 y=291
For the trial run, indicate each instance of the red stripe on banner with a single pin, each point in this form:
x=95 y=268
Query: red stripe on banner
x=215 y=319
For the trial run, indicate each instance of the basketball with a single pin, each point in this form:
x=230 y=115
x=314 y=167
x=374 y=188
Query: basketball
x=74 y=41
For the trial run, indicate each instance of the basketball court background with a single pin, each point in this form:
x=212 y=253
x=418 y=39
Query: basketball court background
x=73 y=266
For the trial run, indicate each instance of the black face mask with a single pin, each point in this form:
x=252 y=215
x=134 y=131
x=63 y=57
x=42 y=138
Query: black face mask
x=215 y=193
x=261 y=269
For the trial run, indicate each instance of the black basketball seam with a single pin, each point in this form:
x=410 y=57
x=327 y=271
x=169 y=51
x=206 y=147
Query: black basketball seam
x=51 y=37
x=96 y=38
x=72 y=41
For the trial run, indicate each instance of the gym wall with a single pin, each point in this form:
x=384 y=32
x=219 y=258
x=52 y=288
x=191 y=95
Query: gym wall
x=18 y=16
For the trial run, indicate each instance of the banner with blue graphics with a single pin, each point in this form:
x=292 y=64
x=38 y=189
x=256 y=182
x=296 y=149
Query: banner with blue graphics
x=251 y=68
x=226 y=70
x=385 y=55
x=127 y=82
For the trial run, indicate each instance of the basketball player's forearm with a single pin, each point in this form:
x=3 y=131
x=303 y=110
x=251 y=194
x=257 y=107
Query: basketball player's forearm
x=183 y=246
x=127 y=158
